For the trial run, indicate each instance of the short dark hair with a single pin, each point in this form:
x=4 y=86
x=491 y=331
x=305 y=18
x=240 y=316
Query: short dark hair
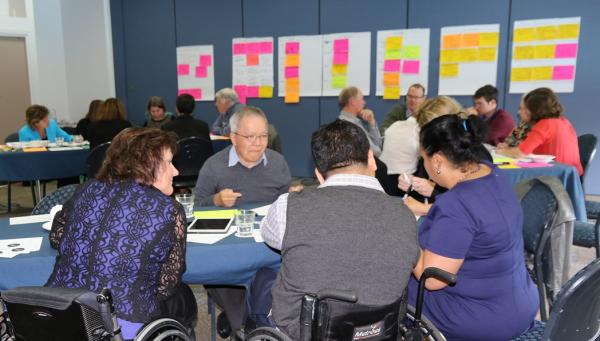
x=337 y=145
x=543 y=103
x=346 y=94
x=136 y=154
x=185 y=104
x=35 y=113
x=460 y=140
x=489 y=92
x=418 y=86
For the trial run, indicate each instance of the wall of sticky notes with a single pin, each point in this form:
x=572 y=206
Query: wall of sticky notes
x=346 y=61
x=544 y=54
x=195 y=72
x=300 y=68
x=252 y=71
x=468 y=58
x=402 y=60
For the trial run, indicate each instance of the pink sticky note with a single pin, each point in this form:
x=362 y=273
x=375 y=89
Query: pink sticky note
x=253 y=48
x=242 y=92
x=201 y=72
x=565 y=51
x=239 y=48
x=205 y=60
x=391 y=65
x=183 y=69
x=266 y=47
x=292 y=47
x=252 y=92
x=196 y=93
x=340 y=45
x=291 y=72
x=533 y=164
x=411 y=66
x=563 y=72
x=340 y=58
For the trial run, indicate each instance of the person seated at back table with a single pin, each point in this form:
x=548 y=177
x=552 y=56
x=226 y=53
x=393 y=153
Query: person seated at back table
x=185 y=125
x=123 y=231
x=157 y=114
x=227 y=104
x=345 y=234
x=352 y=109
x=81 y=128
x=107 y=123
x=500 y=122
x=40 y=127
x=412 y=101
x=474 y=230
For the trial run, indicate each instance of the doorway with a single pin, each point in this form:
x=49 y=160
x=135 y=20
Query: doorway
x=14 y=85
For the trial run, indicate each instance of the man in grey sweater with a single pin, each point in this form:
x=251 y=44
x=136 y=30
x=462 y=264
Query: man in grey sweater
x=346 y=234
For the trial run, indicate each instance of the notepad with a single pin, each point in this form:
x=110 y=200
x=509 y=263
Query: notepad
x=30 y=219
x=215 y=214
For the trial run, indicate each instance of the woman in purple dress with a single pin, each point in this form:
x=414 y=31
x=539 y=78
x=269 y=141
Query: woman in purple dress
x=473 y=230
x=123 y=231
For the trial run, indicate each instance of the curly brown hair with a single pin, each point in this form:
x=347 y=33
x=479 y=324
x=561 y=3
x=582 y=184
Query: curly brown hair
x=136 y=154
x=35 y=114
x=543 y=103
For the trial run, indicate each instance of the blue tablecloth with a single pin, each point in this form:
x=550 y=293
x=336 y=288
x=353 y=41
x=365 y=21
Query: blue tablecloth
x=21 y=166
x=566 y=174
x=231 y=261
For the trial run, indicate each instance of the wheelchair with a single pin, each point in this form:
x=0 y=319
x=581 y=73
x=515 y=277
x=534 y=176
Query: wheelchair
x=53 y=314
x=333 y=314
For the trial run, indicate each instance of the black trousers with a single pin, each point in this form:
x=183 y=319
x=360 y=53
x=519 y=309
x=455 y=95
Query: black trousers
x=181 y=305
x=232 y=300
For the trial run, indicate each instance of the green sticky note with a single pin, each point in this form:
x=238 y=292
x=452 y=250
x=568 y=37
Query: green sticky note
x=410 y=52
x=339 y=81
x=392 y=54
x=215 y=214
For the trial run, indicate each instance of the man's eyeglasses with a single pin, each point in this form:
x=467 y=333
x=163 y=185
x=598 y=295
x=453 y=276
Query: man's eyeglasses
x=254 y=138
x=414 y=97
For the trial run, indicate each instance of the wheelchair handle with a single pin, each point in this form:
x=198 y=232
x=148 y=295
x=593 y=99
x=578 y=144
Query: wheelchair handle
x=107 y=312
x=337 y=294
x=436 y=273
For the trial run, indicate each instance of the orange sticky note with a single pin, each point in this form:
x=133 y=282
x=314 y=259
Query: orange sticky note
x=520 y=74
x=451 y=41
x=292 y=97
x=292 y=85
x=541 y=73
x=391 y=79
x=265 y=91
x=448 y=70
x=339 y=69
x=544 y=51
x=524 y=52
x=470 y=39
x=292 y=60
x=489 y=39
x=251 y=59
x=568 y=31
x=546 y=32
x=524 y=34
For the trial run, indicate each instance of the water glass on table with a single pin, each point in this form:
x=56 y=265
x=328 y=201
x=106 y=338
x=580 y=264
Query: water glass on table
x=59 y=140
x=244 y=221
x=187 y=200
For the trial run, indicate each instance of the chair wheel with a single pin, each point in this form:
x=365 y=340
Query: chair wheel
x=267 y=334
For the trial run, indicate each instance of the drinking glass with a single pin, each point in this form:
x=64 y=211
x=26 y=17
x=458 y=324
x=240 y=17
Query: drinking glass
x=244 y=220
x=187 y=200
x=59 y=141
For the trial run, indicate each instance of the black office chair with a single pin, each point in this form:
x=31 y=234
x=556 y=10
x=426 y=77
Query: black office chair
x=389 y=182
x=333 y=314
x=539 y=209
x=69 y=130
x=95 y=159
x=575 y=314
x=191 y=154
x=58 y=197
x=60 y=314
x=274 y=141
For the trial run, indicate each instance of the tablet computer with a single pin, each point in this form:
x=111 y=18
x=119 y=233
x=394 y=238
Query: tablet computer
x=205 y=225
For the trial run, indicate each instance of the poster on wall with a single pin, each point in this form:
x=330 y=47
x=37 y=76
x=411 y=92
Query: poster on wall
x=346 y=62
x=468 y=58
x=196 y=72
x=252 y=72
x=544 y=54
x=402 y=60
x=299 y=67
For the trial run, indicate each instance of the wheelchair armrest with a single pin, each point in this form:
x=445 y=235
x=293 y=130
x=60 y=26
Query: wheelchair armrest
x=337 y=294
x=438 y=274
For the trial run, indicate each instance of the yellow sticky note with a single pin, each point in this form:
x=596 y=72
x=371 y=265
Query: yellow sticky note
x=215 y=214
x=470 y=39
x=449 y=56
x=339 y=69
x=392 y=92
x=541 y=73
x=487 y=54
x=499 y=159
x=524 y=52
x=451 y=41
x=292 y=97
x=520 y=74
x=489 y=39
x=339 y=81
x=411 y=52
x=544 y=51
x=546 y=32
x=468 y=55
x=392 y=54
x=509 y=166
x=393 y=43
x=448 y=70
x=568 y=31
x=265 y=91
x=524 y=34
x=292 y=60
x=391 y=79
x=292 y=85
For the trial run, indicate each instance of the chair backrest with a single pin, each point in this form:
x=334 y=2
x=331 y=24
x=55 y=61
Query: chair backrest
x=576 y=312
x=274 y=142
x=95 y=159
x=13 y=137
x=69 y=130
x=53 y=314
x=58 y=197
x=389 y=182
x=587 y=150
x=191 y=154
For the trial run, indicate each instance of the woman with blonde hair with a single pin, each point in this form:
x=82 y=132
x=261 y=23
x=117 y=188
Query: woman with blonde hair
x=107 y=123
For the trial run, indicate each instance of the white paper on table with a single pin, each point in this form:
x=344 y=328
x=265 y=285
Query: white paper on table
x=25 y=245
x=30 y=219
x=257 y=236
x=263 y=210
x=58 y=149
x=208 y=238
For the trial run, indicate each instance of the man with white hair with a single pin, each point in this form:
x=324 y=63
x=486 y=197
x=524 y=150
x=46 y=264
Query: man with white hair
x=227 y=104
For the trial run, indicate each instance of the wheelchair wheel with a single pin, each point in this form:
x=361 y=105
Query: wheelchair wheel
x=428 y=330
x=163 y=329
x=267 y=334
